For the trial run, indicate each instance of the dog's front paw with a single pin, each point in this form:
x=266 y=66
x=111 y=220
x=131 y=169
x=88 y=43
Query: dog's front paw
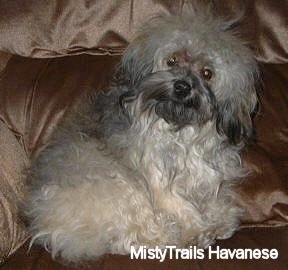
x=206 y=239
x=225 y=232
x=202 y=240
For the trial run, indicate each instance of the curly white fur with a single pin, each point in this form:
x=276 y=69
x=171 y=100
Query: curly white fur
x=135 y=167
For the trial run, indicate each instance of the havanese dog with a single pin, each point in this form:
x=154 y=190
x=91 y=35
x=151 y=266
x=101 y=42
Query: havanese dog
x=151 y=161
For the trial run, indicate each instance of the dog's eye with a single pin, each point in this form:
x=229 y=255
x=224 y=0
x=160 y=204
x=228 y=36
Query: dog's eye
x=206 y=74
x=172 y=61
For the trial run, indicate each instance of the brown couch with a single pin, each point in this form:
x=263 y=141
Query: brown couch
x=52 y=51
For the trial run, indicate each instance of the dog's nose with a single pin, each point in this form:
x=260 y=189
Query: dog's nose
x=182 y=89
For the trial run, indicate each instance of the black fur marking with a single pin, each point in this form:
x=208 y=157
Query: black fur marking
x=235 y=125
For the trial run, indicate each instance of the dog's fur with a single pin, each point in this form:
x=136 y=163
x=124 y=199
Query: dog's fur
x=142 y=164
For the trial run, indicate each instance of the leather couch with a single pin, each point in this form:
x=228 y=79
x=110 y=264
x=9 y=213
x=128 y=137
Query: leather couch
x=53 y=51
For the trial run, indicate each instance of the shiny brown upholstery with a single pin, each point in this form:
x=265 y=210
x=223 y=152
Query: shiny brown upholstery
x=36 y=90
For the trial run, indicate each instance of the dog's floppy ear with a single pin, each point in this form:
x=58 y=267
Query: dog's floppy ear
x=234 y=119
x=136 y=62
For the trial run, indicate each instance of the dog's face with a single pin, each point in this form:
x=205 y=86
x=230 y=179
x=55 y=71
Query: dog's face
x=190 y=71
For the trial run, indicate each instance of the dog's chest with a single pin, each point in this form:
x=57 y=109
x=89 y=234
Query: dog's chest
x=173 y=161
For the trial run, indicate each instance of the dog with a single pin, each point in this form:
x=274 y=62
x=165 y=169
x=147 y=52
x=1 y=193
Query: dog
x=152 y=160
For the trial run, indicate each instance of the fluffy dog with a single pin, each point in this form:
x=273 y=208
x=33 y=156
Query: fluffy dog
x=152 y=160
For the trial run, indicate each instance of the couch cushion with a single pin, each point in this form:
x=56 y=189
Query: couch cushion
x=55 y=28
x=35 y=93
x=13 y=160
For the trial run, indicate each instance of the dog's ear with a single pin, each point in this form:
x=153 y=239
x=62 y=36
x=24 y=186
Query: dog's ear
x=234 y=119
x=137 y=62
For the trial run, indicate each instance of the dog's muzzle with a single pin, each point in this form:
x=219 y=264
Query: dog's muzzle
x=180 y=98
x=188 y=92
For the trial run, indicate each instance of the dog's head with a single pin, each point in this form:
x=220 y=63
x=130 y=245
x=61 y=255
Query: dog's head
x=190 y=70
